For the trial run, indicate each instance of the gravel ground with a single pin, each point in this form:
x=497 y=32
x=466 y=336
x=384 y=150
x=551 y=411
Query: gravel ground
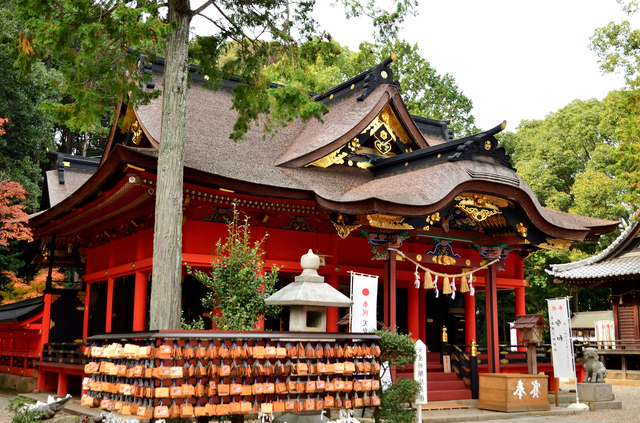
x=629 y=395
x=630 y=412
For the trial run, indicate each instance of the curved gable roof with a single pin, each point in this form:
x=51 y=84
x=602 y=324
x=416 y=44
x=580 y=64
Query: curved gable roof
x=344 y=121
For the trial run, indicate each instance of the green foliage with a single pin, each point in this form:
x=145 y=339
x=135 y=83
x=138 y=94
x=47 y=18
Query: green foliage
x=28 y=131
x=88 y=43
x=618 y=48
x=20 y=414
x=195 y=324
x=395 y=347
x=238 y=285
x=563 y=155
x=571 y=160
x=395 y=402
x=427 y=93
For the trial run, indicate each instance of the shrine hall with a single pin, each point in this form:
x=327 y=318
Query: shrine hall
x=372 y=189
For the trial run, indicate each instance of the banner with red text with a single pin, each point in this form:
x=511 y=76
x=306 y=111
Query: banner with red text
x=364 y=293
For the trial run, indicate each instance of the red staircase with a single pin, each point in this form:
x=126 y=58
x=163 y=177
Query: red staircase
x=441 y=386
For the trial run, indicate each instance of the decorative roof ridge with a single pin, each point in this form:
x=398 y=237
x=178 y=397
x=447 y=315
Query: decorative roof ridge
x=453 y=151
x=609 y=252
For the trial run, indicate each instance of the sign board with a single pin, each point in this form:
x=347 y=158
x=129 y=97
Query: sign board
x=420 y=371
x=385 y=376
x=364 y=293
x=560 y=328
x=446 y=363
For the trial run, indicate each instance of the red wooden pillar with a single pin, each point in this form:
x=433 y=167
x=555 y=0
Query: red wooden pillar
x=107 y=324
x=422 y=301
x=414 y=312
x=140 y=302
x=390 y=290
x=332 y=312
x=85 y=318
x=469 y=318
x=491 y=294
x=62 y=384
x=46 y=318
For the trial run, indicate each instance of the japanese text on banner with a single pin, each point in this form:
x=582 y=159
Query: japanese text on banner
x=563 y=363
x=365 y=297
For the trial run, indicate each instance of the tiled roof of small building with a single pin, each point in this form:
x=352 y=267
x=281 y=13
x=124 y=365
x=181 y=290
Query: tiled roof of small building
x=621 y=258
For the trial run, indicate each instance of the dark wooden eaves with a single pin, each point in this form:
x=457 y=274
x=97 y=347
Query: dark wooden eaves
x=453 y=151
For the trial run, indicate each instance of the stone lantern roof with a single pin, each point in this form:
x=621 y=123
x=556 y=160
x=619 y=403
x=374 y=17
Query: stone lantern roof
x=309 y=288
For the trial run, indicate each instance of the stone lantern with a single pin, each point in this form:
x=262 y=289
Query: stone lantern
x=530 y=334
x=308 y=297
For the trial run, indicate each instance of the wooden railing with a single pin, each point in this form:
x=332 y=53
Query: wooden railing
x=465 y=366
x=614 y=345
x=65 y=352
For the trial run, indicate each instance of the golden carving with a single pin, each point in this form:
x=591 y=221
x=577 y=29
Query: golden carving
x=330 y=159
x=390 y=131
x=343 y=228
x=480 y=200
x=487 y=145
x=432 y=218
x=443 y=260
x=478 y=214
x=129 y=118
x=522 y=230
x=388 y=222
x=555 y=244
x=137 y=132
x=388 y=118
x=480 y=207
x=419 y=257
x=363 y=165
x=384 y=147
x=384 y=74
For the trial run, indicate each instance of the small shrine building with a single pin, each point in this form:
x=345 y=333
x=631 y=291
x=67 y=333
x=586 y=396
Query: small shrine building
x=372 y=189
x=618 y=268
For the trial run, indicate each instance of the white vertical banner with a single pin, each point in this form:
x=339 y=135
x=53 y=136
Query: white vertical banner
x=364 y=293
x=420 y=371
x=561 y=345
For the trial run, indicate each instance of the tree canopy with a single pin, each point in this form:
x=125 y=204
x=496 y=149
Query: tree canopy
x=618 y=48
x=92 y=41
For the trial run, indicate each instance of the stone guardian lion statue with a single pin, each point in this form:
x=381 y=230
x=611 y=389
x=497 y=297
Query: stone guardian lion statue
x=594 y=370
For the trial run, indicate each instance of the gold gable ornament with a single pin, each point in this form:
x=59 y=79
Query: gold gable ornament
x=554 y=244
x=380 y=136
x=388 y=222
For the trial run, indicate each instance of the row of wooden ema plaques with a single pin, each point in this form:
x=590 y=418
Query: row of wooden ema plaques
x=168 y=379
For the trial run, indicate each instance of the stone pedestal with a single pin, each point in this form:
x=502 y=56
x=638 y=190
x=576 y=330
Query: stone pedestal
x=588 y=392
x=598 y=396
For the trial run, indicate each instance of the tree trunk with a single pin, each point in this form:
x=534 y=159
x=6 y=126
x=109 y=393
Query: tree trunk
x=166 y=287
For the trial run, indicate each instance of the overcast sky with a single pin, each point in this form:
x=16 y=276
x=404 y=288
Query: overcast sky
x=514 y=59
